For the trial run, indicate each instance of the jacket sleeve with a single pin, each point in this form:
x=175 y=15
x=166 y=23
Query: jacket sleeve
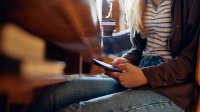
x=182 y=68
x=138 y=45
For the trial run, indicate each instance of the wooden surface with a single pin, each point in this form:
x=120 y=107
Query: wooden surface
x=70 y=24
x=198 y=79
x=80 y=13
x=198 y=104
x=198 y=66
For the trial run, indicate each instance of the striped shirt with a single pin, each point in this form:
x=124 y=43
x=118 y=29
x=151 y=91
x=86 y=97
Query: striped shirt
x=158 y=24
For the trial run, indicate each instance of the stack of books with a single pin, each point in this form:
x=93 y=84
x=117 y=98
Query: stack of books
x=23 y=53
x=108 y=27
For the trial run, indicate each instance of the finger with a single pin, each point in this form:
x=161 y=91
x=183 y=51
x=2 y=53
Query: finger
x=123 y=67
x=110 y=74
x=107 y=73
x=117 y=61
x=115 y=75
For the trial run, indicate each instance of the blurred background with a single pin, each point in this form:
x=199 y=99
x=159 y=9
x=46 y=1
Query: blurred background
x=46 y=42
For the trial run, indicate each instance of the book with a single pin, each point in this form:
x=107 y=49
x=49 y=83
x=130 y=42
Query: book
x=24 y=53
x=17 y=43
x=108 y=22
x=31 y=68
x=108 y=27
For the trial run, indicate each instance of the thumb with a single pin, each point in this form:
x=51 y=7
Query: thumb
x=123 y=67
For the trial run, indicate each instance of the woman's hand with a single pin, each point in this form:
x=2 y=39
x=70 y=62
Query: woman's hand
x=131 y=77
x=118 y=61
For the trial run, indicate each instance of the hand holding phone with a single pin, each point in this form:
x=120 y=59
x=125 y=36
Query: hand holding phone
x=106 y=66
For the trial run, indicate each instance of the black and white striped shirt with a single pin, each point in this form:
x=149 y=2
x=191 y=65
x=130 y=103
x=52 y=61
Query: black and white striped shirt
x=158 y=23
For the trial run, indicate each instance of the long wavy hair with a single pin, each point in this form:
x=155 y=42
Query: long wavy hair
x=133 y=14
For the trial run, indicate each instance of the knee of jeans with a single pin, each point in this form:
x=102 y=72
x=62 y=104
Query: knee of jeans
x=42 y=104
x=48 y=94
x=45 y=100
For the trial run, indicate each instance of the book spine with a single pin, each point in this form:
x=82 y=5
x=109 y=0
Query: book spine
x=20 y=44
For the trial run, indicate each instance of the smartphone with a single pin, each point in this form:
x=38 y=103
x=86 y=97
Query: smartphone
x=106 y=66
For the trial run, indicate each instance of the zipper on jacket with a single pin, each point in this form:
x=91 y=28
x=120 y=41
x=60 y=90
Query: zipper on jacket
x=172 y=14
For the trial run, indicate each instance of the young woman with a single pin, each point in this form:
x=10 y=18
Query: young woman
x=158 y=71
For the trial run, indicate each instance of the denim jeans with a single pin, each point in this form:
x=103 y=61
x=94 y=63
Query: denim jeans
x=101 y=95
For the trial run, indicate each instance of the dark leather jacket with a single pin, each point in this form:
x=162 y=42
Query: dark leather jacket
x=175 y=78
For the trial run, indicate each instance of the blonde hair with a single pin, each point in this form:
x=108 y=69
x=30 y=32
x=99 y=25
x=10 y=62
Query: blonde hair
x=133 y=11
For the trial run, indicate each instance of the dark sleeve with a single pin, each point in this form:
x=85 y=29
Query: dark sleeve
x=138 y=45
x=182 y=68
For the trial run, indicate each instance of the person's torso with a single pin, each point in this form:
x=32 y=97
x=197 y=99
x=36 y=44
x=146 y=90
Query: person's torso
x=158 y=24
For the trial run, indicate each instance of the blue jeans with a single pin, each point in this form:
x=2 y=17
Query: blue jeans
x=101 y=95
